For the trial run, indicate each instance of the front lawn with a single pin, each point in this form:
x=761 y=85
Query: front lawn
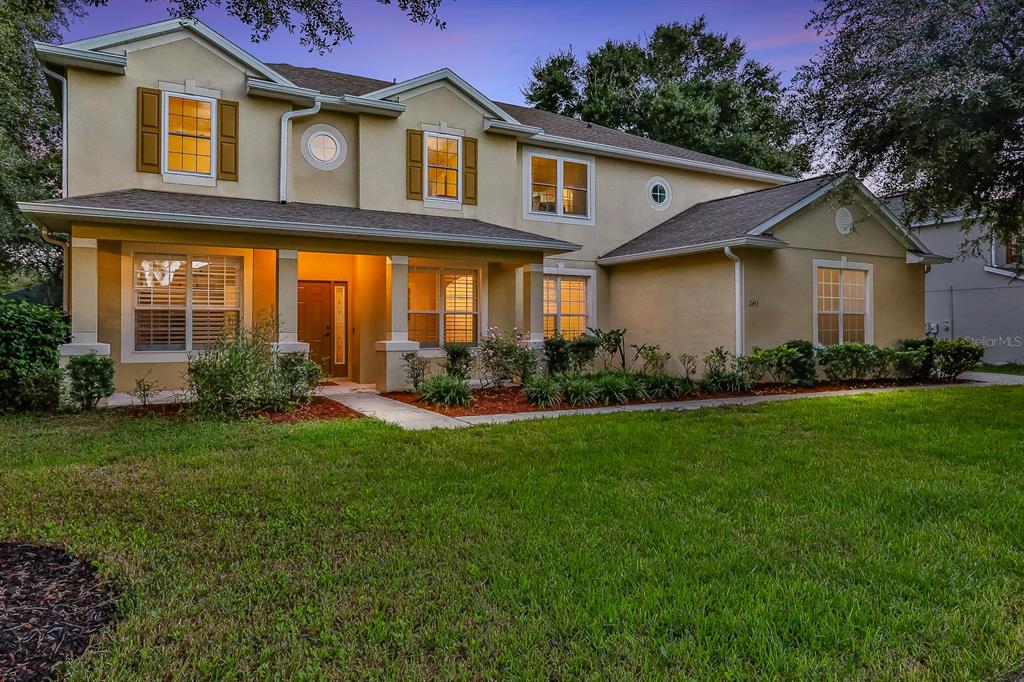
x=1009 y=368
x=872 y=536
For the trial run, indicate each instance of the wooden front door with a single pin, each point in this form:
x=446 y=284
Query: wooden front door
x=315 y=326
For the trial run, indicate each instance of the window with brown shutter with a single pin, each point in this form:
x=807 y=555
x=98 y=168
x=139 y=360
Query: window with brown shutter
x=227 y=140
x=413 y=164
x=469 y=169
x=147 y=148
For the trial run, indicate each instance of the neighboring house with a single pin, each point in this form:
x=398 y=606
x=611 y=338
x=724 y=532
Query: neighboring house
x=978 y=295
x=369 y=219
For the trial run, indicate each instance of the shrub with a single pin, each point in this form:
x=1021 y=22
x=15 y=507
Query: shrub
x=296 y=378
x=612 y=387
x=525 y=362
x=30 y=335
x=578 y=389
x=92 y=379
x=847 y=361
x=542 y=391
x=688 y=364
x=505 y=356
x=636 y=386
x=784 y=363
x=230 y=379
x=458 y=360
x=927 y=366
x=446 y=390
x=664 y=386
x=145 y=389
x=415 y=368
x=885 y=361
x=42 y=389
x=611 y=343
x=804 y=368
x=723 y=373
x=652 y=357
x=582 y=351
x=909 y=363
x=556 y=355
x=956 y=356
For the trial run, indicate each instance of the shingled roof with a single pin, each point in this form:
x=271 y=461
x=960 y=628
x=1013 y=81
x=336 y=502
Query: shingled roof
x=335 y=83
x=720 y=220
x=142 y=206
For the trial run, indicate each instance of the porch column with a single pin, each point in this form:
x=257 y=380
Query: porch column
x=396 y=337
x=530 y=302
x=288 y=304
x=84 y=301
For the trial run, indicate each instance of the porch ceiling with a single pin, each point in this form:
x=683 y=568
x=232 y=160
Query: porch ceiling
x=147 y=207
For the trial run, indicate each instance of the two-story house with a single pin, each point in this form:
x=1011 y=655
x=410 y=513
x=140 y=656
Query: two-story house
x=367 y=219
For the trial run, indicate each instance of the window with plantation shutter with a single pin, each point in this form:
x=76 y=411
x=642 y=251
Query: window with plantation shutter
x=443 y=306
x=185 y=302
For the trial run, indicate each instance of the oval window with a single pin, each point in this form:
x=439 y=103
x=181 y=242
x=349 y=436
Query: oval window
x=659 y=193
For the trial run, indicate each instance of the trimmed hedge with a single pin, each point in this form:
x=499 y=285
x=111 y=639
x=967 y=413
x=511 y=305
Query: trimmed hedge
x=30 y=337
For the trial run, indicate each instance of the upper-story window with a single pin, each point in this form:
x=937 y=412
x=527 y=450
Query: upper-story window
x=444 y=166
x=560 y=187
x=188 y=134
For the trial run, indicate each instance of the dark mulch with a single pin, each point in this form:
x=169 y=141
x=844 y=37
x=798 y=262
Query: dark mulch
x=510 y=399
x=52 y=605
x=319 y=408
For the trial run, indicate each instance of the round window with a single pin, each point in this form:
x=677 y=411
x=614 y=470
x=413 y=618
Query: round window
x=659 y=193
x=323 y=147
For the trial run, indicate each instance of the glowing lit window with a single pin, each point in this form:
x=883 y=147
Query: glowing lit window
x=189 y=135
x=559 y=187
x=185 y=302
x=442 y=166
x=443 y=304
x=565 y=305
x=841 y=305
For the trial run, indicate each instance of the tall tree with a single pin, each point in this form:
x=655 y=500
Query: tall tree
x=685 y=86
x=925 y=97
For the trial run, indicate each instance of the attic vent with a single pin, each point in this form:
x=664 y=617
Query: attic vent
x=844 y=220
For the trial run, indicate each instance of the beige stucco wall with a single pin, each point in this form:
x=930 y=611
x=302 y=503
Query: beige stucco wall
x=685 y=305
x=780 y=285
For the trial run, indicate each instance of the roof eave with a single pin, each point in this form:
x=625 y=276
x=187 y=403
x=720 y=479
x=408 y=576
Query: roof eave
x=305 y=96
x=769 y=243
x=61 y=55
x=444 y=74
x=38 y=212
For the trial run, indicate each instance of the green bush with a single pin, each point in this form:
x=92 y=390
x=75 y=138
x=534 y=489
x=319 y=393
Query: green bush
x=556 y=355
x=956 y=356
x=505 y=356
x=543 y=391
x=458 y=360
x=582 y=351
x=926 y=370
x=664 y=386
x=780 y=363
x=42 y=390
x=30 y=336
x=446 y=390
x=612 y=344
x=652 y=358
x=847 y=361
x=804 y=368
x=723 y=373
x=578 y=389
x=688 y=364
x=910 y=363
x=92 y=379
x=145 y=389
x=229 y=379
x=415 y=368
x=296 y=381
x=613 y=388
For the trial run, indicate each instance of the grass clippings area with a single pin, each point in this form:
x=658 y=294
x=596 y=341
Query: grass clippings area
x=52 y=606
x=875 y=536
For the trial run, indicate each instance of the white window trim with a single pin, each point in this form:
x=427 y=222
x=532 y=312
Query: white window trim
x=441 y=202
x=869 y=306
x=658 y=180
x=128 y=250
x=482 y=294
x=559 y=217
x=330 y=131
x=182 y=177
x=591 y=276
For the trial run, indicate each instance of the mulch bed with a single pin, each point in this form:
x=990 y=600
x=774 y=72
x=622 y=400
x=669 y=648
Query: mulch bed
x=319 y=408
x=52 y=606
x=510 y=399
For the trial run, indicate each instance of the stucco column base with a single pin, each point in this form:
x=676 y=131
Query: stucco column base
x=393 y=374
x=68 y=350
x=289 y=347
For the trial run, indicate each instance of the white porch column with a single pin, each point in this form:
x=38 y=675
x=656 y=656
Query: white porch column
x=288 y=304
x=396 y=338
x=84 y=301
x=530 y=301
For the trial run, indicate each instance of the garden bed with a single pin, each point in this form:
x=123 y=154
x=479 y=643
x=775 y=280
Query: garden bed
x=510 y=399
x=320 y=408
x=52 y=606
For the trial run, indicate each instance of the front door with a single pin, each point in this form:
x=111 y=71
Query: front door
x=315 y=327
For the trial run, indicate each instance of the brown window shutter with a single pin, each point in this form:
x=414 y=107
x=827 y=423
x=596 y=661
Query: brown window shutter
x=469 y=171
x=413 y=164
x=227 y=140
x=147 y=148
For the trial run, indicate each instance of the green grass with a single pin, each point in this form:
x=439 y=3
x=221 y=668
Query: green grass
x=875 y=536
x=1009 y=368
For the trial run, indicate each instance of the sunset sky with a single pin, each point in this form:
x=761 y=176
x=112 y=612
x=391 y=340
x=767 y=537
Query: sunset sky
x=493 y=43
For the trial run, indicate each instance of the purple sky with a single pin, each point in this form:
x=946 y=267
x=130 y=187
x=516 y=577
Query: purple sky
x=493 y=43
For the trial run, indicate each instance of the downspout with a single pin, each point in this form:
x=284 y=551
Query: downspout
x=738 y=286
x=45 y=232
x=286 y=120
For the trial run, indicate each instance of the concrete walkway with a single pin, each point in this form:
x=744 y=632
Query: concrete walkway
x=402 y=414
